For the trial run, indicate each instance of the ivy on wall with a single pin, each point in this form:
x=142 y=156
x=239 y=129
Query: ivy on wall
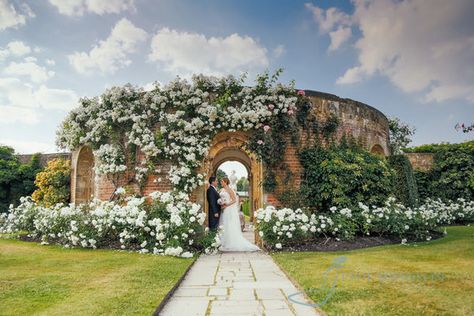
x=452 y=174
x=343 y=175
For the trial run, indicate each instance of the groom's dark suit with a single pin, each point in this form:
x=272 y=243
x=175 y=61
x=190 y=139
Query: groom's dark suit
x=214 y=207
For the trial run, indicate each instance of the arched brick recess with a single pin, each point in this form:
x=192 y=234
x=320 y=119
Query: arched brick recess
x=82 y=184
x=228 y=146
x=377 y=150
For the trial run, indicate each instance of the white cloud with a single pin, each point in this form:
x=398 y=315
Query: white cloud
x=29 y=147
x=334 y=22
x=185 y=53
x=79 y=7
x=29 y=68
x=420 y=46
x=111 y=54
x=339 y=37
x=21 y=102
x=13 y=114
x=11 y=17
x=14 y=92
x=50 y=62
x=18 y=48
x=151 y=85
x=15 y=48
x=279 y=51
x=31 y=59
x=328 y=19
x=59 y=99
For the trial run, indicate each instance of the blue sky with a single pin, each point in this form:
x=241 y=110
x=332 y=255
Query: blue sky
x=410 y=59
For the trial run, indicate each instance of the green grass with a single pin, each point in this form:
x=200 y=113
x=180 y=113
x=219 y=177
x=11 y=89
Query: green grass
x=50 y=280
x=448 y=290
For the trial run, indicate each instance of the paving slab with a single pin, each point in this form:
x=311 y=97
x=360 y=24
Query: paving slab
x=235 y=283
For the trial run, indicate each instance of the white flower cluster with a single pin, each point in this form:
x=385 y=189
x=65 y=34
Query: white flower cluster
x=170 y=225
x=110 y=160
x=176 y=122
x=286 y=227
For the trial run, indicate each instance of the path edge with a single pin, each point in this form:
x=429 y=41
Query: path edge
x=168 y=295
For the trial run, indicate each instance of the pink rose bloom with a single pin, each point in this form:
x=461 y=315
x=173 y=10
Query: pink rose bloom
x=300 y=92
x=271 y=106
x=266 y=128
x=260 y=142
x=290 y=112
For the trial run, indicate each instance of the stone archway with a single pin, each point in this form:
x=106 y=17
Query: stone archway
x=82 y=184
x=227 y=146
x=377 y=150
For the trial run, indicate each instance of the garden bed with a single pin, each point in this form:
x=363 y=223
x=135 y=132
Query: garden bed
x=359 y=242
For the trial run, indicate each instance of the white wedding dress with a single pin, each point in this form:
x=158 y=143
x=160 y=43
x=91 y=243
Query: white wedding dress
x=230 y=233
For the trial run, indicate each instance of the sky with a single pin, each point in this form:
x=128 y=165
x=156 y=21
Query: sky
x=238 y=167
x=411 y=59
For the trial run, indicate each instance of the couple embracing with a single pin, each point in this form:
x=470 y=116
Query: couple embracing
x=224 y=216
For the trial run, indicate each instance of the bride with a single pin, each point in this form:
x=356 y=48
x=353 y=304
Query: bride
x=230 y=232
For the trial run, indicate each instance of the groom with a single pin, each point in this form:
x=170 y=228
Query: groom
x=214 y=207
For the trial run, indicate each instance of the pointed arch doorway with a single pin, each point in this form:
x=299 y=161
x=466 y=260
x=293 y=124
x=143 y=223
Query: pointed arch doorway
x=228 y=146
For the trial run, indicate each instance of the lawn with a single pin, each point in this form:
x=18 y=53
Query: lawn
x=50 y=280
x=426 y=278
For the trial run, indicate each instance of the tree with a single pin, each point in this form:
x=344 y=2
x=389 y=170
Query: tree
x=243 y=184
x=25 y=182
x=53 y=183
x=220 y=174
x=400 y=135
x=16 y=179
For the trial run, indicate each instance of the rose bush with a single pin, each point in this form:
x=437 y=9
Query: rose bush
x=286 y=227
x=170 y=224
x=176 y=123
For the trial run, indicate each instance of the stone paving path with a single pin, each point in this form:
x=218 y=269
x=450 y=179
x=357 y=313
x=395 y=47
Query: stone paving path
x=235 y=283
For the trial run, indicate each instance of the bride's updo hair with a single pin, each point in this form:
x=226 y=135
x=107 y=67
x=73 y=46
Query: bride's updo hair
x=226 y=180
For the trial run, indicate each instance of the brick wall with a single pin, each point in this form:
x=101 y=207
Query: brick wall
x=366 y=124
x=421 y=161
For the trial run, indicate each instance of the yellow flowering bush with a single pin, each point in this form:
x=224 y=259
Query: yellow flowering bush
x=53 y=183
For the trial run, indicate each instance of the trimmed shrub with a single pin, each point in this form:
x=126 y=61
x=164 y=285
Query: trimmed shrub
x=343 y=176
x=405 y=188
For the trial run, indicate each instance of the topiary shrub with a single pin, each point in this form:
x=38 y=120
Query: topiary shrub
x=342 y=176
x=424 y=184
x=53 y=183
x=405 y=188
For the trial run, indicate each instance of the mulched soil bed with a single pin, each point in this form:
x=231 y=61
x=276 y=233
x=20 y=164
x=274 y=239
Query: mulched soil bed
x=331 y=244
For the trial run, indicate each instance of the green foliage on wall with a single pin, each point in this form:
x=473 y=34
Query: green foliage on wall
x=342 y=176
x=423 y=183
x=16 y=179
x=452 y=175
x=405 y=188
